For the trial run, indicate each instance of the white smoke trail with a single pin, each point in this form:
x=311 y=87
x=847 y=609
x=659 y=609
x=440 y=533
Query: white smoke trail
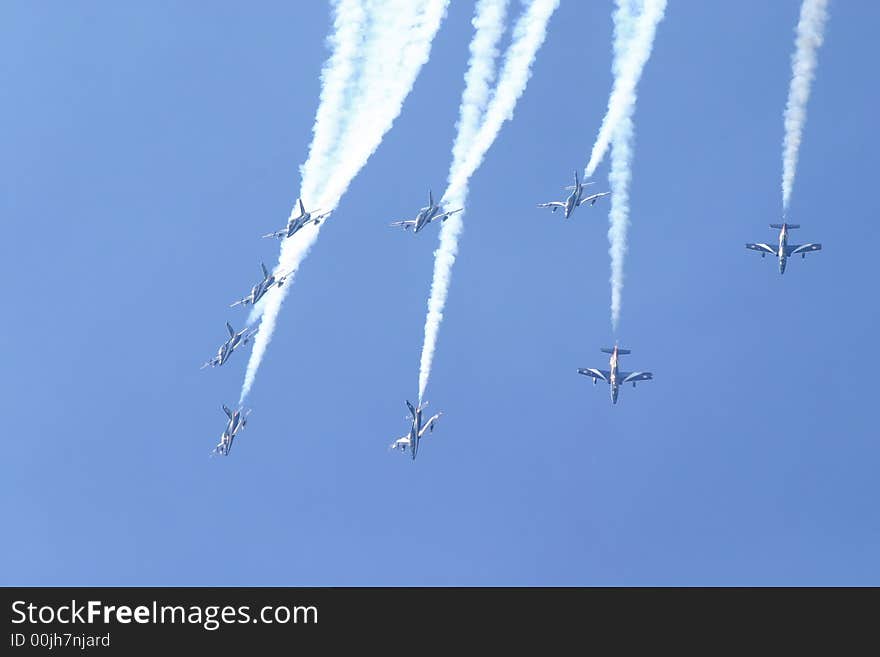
x=810 y=31
x=346 y=42
x=488 y=22
x=618 y=215
x=635 y=24
x=472 y=143
x=395 y=42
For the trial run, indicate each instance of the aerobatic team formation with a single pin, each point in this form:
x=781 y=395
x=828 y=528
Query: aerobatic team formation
x=377 y=51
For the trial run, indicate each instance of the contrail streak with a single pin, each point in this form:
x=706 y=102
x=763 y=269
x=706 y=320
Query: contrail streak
x=488 y=23
x=618 y=216
x=810 y=31
x=635 y=24
x=472 y=142
x=379 y=47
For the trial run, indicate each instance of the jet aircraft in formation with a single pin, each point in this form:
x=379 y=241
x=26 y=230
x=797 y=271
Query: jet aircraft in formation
x=294 y=224
x=614 y=377
x=426 y=215
x=784 y=250
x=235 y=340
x=417 y=430
x=237 y=420
x=432 y=212
x=259 y=290
x=575 y=199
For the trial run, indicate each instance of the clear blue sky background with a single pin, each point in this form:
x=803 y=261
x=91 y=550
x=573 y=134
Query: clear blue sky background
x=147 y=146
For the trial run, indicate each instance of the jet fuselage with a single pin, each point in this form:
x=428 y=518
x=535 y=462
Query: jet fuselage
x=235 y=424
x=223 y=352
x=414 y=433
x=614 y=385
x=425 y=216
x=295 y=224
x=571 y=202
x=783 y=247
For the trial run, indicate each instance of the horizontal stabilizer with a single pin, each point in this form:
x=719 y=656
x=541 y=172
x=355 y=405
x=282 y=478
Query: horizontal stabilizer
x=787 y=225
x=608 y=350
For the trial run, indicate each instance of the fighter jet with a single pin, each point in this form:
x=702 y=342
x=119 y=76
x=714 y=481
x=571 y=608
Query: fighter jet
x=259 y=290
x=295 y=223
x=784 y=250
x=237 y=422
x=614 y=376
x=417 y=430
x=575 y=199
x=235 y=340
x=426 y=215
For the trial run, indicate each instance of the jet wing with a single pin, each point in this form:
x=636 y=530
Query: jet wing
x=552 y=204
x=429 y=425
x=592 y=199
x=792 y=249
x=406 y=224
x=400 y=443
x=240 y=302
x=605 y=375
x=445 y=215
x=632 y=377
x=278 y=233
x=766 y=248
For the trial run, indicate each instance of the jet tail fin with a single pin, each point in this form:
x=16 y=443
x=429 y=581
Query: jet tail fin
x=265 y=271
x=230 y=329
x=779 y=226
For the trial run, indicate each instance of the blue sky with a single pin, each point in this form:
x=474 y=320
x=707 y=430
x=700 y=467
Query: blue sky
x=147 y=146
